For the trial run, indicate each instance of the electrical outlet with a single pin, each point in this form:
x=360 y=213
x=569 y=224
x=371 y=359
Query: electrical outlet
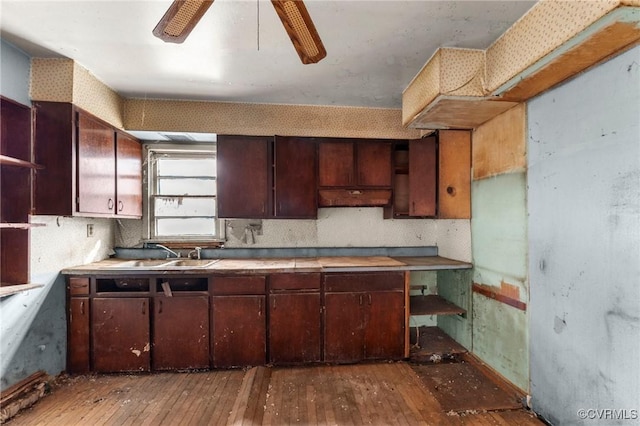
x=90 y=230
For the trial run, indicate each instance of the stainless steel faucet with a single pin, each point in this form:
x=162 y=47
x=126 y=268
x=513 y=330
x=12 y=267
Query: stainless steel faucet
x=168 y=250
x=197 y=251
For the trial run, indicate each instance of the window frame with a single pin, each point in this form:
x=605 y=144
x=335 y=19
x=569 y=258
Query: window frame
x=149 y=180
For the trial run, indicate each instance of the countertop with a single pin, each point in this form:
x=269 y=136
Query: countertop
x=272 y=265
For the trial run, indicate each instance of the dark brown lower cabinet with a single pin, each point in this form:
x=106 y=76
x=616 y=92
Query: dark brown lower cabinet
x=364 y=316
x=239 y=330
x=344 y=339
x=181 y=332
x=120 y=334
x=294 y=328
x=295 y=318
x=78 y=361
x=238 y=320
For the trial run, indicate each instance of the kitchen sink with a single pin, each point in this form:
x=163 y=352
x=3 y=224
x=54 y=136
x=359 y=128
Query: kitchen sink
x=191 y=263
x=163 y=264
x=146 y=263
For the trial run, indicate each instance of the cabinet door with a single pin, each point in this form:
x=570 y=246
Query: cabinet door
x=374 y=163
x=181 y=332
x=239 y=335
x=78 y=336
x=244 y=181
x=454 y=188
x=295 y=178
x=54 y=189
x=335 y=164
x=343 y=335
x=294 y=328
x=120 y=334
x=422 y=177
x=384 y=333
x=129 y=176
x=96 y=166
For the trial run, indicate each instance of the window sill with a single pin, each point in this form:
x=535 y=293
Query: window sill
x=186 y=244
x=8 y=289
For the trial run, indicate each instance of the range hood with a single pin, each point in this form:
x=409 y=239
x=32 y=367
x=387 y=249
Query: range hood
x=354 y=197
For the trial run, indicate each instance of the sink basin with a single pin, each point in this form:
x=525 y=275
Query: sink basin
x=191 y=263
x=163 y=263
x=146 y=263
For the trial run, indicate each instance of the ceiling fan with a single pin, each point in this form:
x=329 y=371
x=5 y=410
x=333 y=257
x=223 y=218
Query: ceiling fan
x=183 y=15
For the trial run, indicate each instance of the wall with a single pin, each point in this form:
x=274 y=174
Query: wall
x=584 y=228
x=14 y=78
x=33 y=323
x=499 y=234
x=338 y=227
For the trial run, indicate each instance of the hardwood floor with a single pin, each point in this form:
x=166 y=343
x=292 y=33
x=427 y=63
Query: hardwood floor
x=376 y=394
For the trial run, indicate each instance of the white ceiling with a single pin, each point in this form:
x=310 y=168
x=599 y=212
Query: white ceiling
x=239 y=52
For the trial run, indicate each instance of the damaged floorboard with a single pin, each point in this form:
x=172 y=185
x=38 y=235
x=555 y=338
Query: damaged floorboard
x=381 y=393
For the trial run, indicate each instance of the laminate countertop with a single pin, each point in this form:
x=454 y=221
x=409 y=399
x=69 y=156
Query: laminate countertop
x=265 y=265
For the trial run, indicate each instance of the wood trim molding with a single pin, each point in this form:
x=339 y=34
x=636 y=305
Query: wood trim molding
x=491 y=293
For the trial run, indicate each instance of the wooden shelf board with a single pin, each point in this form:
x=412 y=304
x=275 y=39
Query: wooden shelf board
x=21 y=225
x=433 y=304
x=9 y=289
x=428 y=343
x=10 y=161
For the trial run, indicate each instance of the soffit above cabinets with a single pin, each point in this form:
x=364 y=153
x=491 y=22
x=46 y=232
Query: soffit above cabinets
x=554 y=40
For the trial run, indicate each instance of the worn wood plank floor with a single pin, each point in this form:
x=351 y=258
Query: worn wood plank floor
x=376 y=394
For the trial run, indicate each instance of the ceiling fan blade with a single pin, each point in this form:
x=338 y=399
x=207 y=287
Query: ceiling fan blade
x=179 y=20
x=299 y=26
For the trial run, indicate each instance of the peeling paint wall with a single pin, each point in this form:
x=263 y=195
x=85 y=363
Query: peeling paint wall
x=499 y=233
x=584 y=228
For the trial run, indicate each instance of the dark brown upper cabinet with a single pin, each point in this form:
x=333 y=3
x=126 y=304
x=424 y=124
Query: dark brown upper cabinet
x=295 y=177
x=354 y=163
x=422 y=177
x=244 y=179
x=265 y=177
x=129 y=175
x=354 y=172
x=96 y=166
x=91 y=168
x=415 y=179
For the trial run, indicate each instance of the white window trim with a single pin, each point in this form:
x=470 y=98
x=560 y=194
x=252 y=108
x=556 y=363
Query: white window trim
x=147 y=223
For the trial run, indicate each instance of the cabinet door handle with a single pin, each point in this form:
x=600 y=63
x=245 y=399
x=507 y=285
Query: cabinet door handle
x=159 y=306
x=274 y=303
x=82 y=307
x=360 y=300
x=260 y=307
x=120 y=206
x=110 y=204
x=369 y=298
x=144 y=308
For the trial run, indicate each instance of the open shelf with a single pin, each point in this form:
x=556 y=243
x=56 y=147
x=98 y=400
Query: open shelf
x=433 y=304
x=21 y=225
x=5 y=160
x=9 y=289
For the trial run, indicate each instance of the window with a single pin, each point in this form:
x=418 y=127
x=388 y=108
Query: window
x=181 y=193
